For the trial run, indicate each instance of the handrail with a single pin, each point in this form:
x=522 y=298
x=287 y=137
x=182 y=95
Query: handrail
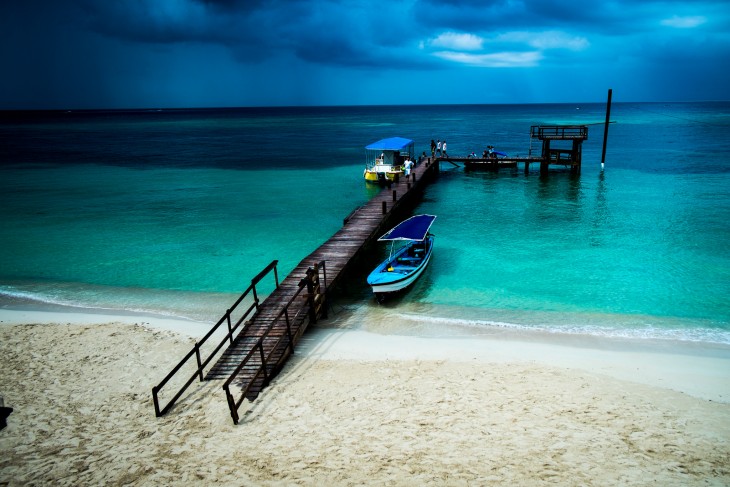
x=312 y=289
x=559 y=131
x=235 y=404
x=229 y=336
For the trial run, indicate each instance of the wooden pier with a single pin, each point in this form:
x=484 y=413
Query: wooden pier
x=254 y=340
x=257 y=340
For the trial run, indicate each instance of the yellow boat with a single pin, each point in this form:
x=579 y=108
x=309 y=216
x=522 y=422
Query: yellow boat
x=386 y=158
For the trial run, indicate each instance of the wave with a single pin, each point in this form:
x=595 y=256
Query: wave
x=632 y=331
x=105 y=300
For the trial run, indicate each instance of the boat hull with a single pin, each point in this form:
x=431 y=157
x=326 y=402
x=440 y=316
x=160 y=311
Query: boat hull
x=378 y=176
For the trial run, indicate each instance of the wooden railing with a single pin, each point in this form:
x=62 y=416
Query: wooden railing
x=232 y=328
x=272 y=356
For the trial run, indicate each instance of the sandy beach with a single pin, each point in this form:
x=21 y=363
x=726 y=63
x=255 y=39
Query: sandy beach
x=357 y=408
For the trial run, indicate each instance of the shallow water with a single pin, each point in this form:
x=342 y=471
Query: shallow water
x=173 y=213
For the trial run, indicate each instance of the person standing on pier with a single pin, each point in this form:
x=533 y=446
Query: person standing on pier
x=438 y=147
x=443 y=149
x=408 y=165
x=433 y=148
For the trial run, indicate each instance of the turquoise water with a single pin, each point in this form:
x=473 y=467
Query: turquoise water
x=174 y=212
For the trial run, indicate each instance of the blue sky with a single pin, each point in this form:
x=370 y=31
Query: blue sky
x=212 y=53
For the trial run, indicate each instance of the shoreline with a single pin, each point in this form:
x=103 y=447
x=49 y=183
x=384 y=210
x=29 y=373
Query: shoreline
x=700 y=370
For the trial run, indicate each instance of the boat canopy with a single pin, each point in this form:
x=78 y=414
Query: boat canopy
x=415 y=228
x=392 y=143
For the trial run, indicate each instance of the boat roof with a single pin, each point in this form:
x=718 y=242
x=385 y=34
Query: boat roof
x=415 y=228
x=392 y=143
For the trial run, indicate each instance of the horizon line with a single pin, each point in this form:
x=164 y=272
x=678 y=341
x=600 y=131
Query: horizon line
x=244 y=107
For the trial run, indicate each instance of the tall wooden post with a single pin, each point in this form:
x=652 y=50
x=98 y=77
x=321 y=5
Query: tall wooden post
x=605 y=127
x=576 y=156
x=544 y=164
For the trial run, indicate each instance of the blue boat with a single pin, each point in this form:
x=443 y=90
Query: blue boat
x=405 y=264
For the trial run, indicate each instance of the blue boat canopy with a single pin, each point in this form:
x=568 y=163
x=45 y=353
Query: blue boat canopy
x=415 y=228
x=392 y=143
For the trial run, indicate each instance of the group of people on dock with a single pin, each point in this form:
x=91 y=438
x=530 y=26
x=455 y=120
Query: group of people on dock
x=438 y=148
x=487 y=154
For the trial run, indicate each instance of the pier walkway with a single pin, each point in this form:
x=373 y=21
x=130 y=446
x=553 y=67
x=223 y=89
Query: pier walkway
x=257 y=341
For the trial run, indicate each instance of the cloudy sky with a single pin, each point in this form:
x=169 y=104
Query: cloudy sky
x=212 y=53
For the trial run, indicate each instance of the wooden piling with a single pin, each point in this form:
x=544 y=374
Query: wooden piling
x=605 y=127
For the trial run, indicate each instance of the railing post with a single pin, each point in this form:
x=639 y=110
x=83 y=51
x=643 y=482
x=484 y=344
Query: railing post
x=255 y=296
x=385 y=208
x=326 y=301
x=316 y=290
x=200 y=364
x=395 y=196
x=310 y=291
x=231 y=405
x=288 y=330
x=276 y=277
x=154 y=400
x=230 y=329
x=324 y=274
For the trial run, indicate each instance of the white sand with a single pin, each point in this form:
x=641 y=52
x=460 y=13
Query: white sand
x=354 y=408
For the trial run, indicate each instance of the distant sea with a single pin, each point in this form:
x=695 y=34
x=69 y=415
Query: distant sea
x=172 y=212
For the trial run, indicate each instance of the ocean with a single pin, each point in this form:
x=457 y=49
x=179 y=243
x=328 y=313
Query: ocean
x=172 y=212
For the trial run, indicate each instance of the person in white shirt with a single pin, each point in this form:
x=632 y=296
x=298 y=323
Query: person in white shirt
x=408 y=165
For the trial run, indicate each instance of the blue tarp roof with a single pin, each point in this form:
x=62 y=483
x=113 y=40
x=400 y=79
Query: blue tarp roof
x=415 y=228
x=392 y=143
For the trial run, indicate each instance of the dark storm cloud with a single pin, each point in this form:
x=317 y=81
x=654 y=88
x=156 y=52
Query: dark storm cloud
x=372 y=34
x=233 y=52
x=618 y=17
x=162 y=22
x=324 y=32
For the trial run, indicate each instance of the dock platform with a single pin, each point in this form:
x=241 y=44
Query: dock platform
x=570 y=156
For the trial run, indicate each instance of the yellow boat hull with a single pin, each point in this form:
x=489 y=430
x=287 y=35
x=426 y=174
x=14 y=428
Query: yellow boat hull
x=374 y=176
